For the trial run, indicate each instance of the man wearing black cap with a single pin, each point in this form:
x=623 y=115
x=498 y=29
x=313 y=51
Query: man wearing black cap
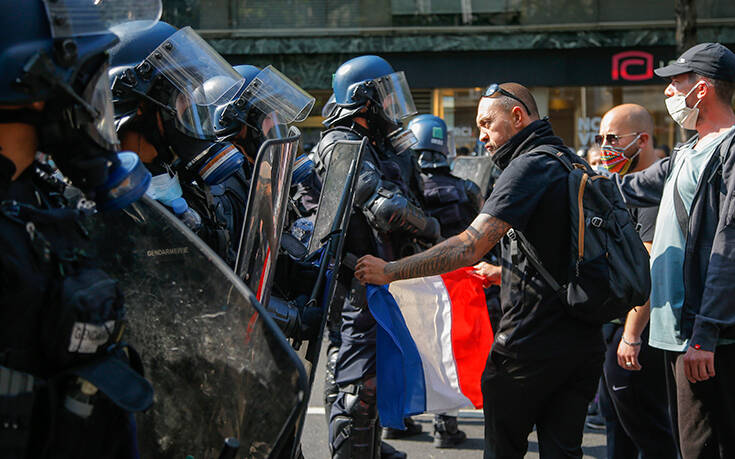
x=693 y=255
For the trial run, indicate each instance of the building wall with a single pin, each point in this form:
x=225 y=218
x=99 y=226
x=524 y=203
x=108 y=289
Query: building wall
x=580 y=57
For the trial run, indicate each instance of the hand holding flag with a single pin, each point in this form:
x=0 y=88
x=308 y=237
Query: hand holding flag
x=371 y=270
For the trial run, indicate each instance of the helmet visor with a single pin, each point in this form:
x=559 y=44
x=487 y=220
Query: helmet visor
x=271 y=91
x=395 y=96
x=73 y=18
x=205 y=81
x=99 y=96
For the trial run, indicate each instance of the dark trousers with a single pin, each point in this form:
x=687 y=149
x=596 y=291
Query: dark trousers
x=552 y=394
x=705 y=411
x=638 y=417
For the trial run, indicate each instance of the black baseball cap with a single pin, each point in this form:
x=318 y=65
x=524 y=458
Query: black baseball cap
x=712 y=60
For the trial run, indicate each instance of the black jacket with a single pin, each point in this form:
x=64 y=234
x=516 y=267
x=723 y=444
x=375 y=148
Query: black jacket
x=708 y=312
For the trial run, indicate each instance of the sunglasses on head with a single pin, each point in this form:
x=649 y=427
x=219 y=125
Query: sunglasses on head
x=611 y=139
x=495 y=88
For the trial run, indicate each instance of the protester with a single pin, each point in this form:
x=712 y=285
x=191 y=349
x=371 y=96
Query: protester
x=632 y=394
x=693 y=253
x=544 y=364
x=593 y=157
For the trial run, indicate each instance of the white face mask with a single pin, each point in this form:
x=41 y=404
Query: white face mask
x=684 y=116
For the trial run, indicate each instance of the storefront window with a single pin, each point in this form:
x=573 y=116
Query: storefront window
x=458 y=108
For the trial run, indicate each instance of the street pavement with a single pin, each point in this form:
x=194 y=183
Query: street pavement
x=314 y=439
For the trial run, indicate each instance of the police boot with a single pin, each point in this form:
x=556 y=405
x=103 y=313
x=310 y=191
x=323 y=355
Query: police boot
x=446 y=432
x=389 y=452
x=412 y=428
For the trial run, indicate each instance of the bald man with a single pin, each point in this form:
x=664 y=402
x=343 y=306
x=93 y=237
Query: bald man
x=632 y=393
x=544 y=364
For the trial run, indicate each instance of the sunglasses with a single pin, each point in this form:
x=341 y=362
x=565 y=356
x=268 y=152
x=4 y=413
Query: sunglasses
x=611 y=139
x=495 y=88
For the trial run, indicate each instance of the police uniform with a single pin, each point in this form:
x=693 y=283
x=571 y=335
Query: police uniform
x=53 y=304
x=67 y=384
x=368 y=233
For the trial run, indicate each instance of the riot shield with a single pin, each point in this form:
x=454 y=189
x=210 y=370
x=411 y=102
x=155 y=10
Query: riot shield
x=330 y=228
x=219 y=365
x=478 y=169
x=267 y=201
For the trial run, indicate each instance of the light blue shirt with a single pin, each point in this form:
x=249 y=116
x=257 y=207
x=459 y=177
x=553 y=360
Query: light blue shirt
x=667 y=253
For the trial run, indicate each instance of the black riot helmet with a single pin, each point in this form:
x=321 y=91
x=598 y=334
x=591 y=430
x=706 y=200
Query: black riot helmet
x=171 y=87
x=55 y=51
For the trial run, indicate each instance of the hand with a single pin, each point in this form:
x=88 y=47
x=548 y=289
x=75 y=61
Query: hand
x=371 y=270
x=629 y=354
x=491 y=273
x=699 y=365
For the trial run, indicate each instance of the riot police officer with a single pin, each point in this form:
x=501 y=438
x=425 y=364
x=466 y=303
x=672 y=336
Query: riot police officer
x=197 y=123
x=67 y=386
x=372 y=99
x=455 y=202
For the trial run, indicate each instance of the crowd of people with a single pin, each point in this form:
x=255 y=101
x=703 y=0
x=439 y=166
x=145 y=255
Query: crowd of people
x=210 y=145
x=666 y=367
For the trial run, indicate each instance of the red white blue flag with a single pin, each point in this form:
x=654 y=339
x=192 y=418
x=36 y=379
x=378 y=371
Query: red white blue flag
x=433 y=340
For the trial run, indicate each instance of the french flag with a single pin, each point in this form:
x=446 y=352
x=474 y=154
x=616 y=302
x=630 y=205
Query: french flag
x=433 y=340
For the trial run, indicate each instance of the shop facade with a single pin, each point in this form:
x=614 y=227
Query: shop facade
x=579 y=57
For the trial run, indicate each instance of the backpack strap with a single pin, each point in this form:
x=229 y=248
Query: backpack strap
x=516 y=237
x=560 y=153
x=524 y=245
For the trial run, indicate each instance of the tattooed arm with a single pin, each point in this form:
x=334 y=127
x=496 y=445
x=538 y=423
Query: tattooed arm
x=465 y=249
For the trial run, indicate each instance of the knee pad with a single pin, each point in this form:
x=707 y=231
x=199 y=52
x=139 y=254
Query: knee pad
x=354 y=432
x=330 y=384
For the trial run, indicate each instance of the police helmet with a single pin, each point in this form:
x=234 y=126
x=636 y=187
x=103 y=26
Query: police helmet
x=372 y=78
x=432 y=143
x=50 y=44
x=131 y=50
x=249 y=72
x=270 y=93
x=180 y=73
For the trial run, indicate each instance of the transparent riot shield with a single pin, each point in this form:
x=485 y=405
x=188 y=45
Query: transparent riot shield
x=219 y=365
x=478 y=169
x=330 y=228
x=264 y=217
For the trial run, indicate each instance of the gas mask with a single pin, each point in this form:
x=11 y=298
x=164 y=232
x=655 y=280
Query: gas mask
x=614 y=159
x=684 y=116
x=209 y=162
x=77 y=129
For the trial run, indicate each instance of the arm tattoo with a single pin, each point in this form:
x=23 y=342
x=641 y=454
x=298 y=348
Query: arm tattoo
x=465 y=249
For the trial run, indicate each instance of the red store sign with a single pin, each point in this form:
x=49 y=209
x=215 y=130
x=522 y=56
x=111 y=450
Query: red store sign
x=632 y=66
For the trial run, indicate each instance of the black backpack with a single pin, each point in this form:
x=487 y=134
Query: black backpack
x=609 y=270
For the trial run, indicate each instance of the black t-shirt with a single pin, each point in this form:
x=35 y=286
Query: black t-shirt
x=531 y=195
x=645 y=217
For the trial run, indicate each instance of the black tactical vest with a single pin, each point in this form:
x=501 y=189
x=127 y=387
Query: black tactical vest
x=446 y=200
x=222 y=209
